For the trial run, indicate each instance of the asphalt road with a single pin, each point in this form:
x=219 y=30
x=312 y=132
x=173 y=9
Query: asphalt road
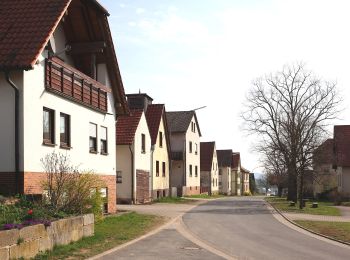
x=230 y=228
x=245 y=228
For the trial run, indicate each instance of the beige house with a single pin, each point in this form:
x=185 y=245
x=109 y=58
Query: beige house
x=160 y=150
x=60 y=91
x=225 y=167
x=236 y=176
x=185 y=136
x=245 y=180
x=209 y=168
x=133 y=158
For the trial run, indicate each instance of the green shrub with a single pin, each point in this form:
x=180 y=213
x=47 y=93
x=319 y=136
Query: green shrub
x=247 y=193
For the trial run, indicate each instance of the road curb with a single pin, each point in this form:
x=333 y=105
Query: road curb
x=306 y=229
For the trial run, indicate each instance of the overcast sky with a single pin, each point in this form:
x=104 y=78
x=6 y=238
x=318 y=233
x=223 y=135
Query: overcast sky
x=192 y=53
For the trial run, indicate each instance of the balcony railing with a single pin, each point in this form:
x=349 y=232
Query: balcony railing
x=69 y=82
x=177 y=156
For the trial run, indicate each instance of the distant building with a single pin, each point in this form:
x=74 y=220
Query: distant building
x=185 y=136
x=225 y=167
x=209 y=168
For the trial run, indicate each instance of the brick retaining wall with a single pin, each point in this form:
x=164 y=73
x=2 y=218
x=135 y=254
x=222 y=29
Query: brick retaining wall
x=29 y=241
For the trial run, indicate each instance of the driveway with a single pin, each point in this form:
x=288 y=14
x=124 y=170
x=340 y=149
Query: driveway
x=229 y=228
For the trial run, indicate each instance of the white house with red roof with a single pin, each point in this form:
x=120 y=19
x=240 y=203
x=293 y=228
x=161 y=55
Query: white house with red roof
x=133 y=158
x=60 y=90
x=160 y=143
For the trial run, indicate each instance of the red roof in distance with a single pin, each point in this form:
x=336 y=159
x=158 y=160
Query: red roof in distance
x=127 y=126
x=207 y=153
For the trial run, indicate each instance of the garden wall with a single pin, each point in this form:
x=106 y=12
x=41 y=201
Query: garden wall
x=29 y=241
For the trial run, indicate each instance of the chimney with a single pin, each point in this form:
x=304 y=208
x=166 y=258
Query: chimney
x=139 y=101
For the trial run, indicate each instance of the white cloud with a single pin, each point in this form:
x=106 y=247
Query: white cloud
x=140 y=10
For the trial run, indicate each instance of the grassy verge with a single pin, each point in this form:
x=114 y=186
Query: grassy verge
x=175 y=200
x=324 y=208
x=205 y=196
x=338 y=230
x=110 y=232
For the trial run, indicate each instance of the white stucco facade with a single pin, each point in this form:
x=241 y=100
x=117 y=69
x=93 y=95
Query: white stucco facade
x=343 y=179
x=130 y=160
x=225 y=180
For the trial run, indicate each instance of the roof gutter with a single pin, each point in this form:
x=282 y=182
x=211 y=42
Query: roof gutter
x=13 y=85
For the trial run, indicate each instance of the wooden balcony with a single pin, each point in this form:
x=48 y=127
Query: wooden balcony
x=71 y=83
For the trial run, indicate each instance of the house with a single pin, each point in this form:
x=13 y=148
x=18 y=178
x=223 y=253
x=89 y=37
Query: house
x=342 y=157
x=160 y=142
x=225 y=166
x=209 y=168
x=133 y=158
x=236 y=176
x=324 y=175
x=245 y=180
x=185 y=136
x=160 y=150
x=60 y=90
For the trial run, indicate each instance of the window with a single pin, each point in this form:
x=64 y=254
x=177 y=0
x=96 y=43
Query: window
x=119 y=177
x=160 y=139
x=193 y=127
x=216 y=182
x=196 y=151
x=213 y=183
x=93 y=138
x=48 y=126
x=220 y=171
x=163 y=168
x=103 y=140
x=157 y=168
x=64 y=130
x=196 y=171
x=213 y=166
x=190 y=147
x=143 y=143
x=190 y=170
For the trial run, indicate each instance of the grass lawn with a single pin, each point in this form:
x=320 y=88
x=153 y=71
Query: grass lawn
x=175 y=200
x=110 y=232
x=338 y=230
x=205 y=196
x=324 y=208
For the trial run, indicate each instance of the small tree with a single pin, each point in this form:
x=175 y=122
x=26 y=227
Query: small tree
x=69 y=190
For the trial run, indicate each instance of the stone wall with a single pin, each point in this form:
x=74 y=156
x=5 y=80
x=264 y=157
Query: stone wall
x=29 y=241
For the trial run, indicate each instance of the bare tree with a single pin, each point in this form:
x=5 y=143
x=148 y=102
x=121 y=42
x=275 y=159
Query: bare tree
x=289 y=111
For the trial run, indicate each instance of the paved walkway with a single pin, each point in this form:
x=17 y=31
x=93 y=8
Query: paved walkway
x=169 y=210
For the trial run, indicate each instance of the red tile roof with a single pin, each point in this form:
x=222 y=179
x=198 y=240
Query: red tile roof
x=324 y=153
x=25 y=28
x=207 y=153
x=342 y=145
x=127 y=126
x=236 y=160
x=154 y=115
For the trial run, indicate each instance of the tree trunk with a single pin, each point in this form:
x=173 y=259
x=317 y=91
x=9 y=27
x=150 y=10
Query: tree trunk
x=292 y=186
x=280 y=188
x=301 y=191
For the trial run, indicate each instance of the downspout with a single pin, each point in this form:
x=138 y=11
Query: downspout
x=13 y=85
x=152 y=151
x=132 y=176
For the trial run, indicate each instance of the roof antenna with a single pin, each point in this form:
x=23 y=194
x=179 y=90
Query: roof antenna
x=139 y=91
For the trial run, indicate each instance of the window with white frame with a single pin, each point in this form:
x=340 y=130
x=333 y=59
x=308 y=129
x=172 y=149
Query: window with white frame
x=93 y=138
x=103 y=140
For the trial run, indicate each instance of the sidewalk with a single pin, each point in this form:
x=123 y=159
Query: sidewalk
x=168 y=210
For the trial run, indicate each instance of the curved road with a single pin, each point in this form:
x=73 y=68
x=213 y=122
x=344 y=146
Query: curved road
x=230 y=228
x=245 y=229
